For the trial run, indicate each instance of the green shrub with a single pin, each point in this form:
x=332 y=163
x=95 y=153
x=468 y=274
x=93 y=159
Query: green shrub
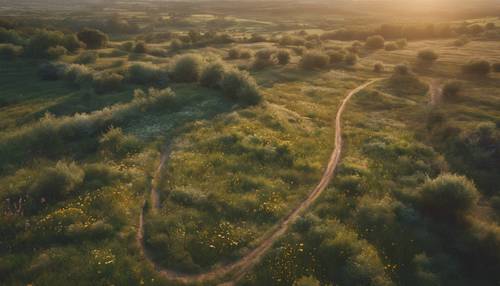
x=187 y=68
x=56 y=52
x=378 y=67
x=51 y=71
x=92 y=38
x=140 y=48
x=477 y=67
x=127 y=46
x=451 y=89
x=460 y=42
x=233 y=53
x=239 y=85
x=402 y=70
x=264 y=54
x=306 y=281
x=314 y=60
x=263 y=59
x=80 y=75
x=55 y=183
x=289 y=40
x=391 y=46
x=71 y=43
x=9 y=51
x=116 y=144
x=41 y=41
x=177 y=45
x=375 y=42
x=427 y=56
x=146 y=73
x=213 y=74
x=107 y=81
x=283 y=57
x=11 y=36
x=88 y=57
x=245 y=53
x=448 y=194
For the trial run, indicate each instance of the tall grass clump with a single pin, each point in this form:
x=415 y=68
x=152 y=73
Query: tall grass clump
x=283 y=56
x=187 y=68
x=263 y=58
x=107 y=81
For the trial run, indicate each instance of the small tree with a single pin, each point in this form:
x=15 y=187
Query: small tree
x=241 y=86
x=375 y=42
x=93 y=38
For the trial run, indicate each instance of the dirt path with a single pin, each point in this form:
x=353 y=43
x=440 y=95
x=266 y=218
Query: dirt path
x=435 y=91
x=236 y=270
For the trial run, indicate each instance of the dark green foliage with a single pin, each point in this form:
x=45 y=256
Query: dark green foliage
x=477 y=67
x=233 y=53
x=402 y=70
x=336 y=57
x=263 y=59
x=375 y=42
x=11 y=36
x=71 y=43
x=241 y=86
x=55 y=183
x=448 y=195
x=93 y=38
x=351 y=59
x=41 y=41
x=187 y=68
x=314 y=60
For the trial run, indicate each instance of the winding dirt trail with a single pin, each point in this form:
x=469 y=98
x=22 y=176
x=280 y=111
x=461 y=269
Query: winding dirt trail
x=435 y=91
x=234 y=271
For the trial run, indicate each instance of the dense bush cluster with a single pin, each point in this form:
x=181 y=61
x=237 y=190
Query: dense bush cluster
x=314 y=60
x=477 y=67
x=187 y=68
x=375 y=42
x=94 y=39
x=427 y=56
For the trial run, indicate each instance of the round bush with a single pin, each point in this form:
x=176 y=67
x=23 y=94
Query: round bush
x=402 y=70
x=56 y=52
x=10 y=51
x=51 y=71
x=241 y=86
x=451 y=89
x=314 y=60
x=107 y=81
x=71 y=43
x=145 y=73
x=213 y=74
x=233 y=53
x=140 y=48
x=477 y=67
x=264 y=54
x=283 y=57
x=448 y=194
x=245 y=53
x=176 y=45
x=375 y=42
x=391 y=46
x=427 y=55
x=401 y=43
x=92 y=38
x=378 y=67
x=187 y=68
